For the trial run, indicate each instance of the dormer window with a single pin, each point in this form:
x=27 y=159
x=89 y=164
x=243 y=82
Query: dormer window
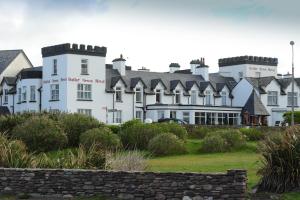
x=194 y=97
x=84 y=67
x=118 y=94
x=224 y=98
x=6 y=96
x=54 y=70
x=208 y=97
x=158 y=96
x=177 y=97
x=138 y=95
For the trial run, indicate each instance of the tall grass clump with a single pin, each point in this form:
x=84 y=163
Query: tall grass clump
x=13 y=153
x=126 y=161
x=280 y=171
x=252 y=134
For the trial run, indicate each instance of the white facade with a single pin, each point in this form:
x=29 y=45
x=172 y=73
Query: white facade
x=79 y=80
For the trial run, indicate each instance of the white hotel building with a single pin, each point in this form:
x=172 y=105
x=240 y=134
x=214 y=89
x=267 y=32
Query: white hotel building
x=246 y=90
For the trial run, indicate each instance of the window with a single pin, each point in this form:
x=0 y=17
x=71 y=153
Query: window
x=208 y=97
x=24 y=93
x=84 y=92
x=158 y=96
x=177 y=97
x=19 y=95
x=138 y=114
x=160 y=114
x=224 y=96
x=222 y=118
x=87 y=112
x=54 y=92
x=173 y=114
x=210 y=118
x=272 y=98
x=194 y=97
x=186 y=117
x=118 y=94
x=6 y=96
x=241 y=75
x=138 y=95
x=199 y=117
x=233 y=118
x=84 y=67
x=118 y=116
x=290 y=98
x=32 y=93
x=54 y=72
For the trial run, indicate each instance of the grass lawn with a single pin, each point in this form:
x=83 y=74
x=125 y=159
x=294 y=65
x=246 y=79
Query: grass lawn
x=246 y=158
x=210 y=162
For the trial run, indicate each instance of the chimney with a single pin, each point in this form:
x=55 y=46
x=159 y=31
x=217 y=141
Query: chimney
x=119 y=64
x=202 y=69
x=174 y=67
x=194 y=64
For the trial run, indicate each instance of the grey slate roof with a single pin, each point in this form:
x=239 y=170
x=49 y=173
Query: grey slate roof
x=6 y=57
x=254 y=106
x=10 y=80
x=168 y=80
x=4 y=110
x=31 y=73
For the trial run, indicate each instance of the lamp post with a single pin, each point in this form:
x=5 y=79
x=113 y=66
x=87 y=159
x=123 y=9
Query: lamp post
x=293 y=86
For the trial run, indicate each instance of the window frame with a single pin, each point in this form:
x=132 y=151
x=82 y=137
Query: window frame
x=54 y=92
x=272 y=98
x=224 y=98
x=289 y=100
x=186 y=116
x=54 y=67
x=194 y=97
x=158 y=95
x=19 y=95
x=118 y=116
x=84 y=92
x=5 y=96
x=24 y=93
x=118 y=93
x=85 y=111
x=140 y=113
x=138 y=93
x=208 y=97
x=84 y=70
x=177 y=97
x=32 y=93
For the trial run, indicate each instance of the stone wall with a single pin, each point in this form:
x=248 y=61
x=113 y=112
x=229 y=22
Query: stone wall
x=125 y=185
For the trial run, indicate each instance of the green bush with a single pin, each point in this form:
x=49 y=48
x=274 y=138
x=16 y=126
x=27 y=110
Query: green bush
x=252 y=134
x=234 y=139
x=114 y=128
x=75 y=124
x=130 y=123
x=174 y=128
x=213 y=143
x=231 y=139
x=166 y=144
x=281 y=162
x=40 y=134
x=13 y=153
x=288 y=116
x=138 y=135
x=102 y=138
x=198 y=132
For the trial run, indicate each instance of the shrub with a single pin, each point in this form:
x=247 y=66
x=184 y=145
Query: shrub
x=138 y=135
x=126 y=161
x=166 y=144
x=78 y=158
x=40 y=134
x=13 y=153
x=174 y=128
x=130 y=123
x=288 y=116
x=213 y=143
x=75 y=124
x=114 y=128
x=103 y=138
x=281 y=162
x=198 y=132
x=227 y=139
x=252 y=134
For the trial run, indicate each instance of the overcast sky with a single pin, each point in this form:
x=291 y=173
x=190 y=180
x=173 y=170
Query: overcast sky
x=154 y=33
